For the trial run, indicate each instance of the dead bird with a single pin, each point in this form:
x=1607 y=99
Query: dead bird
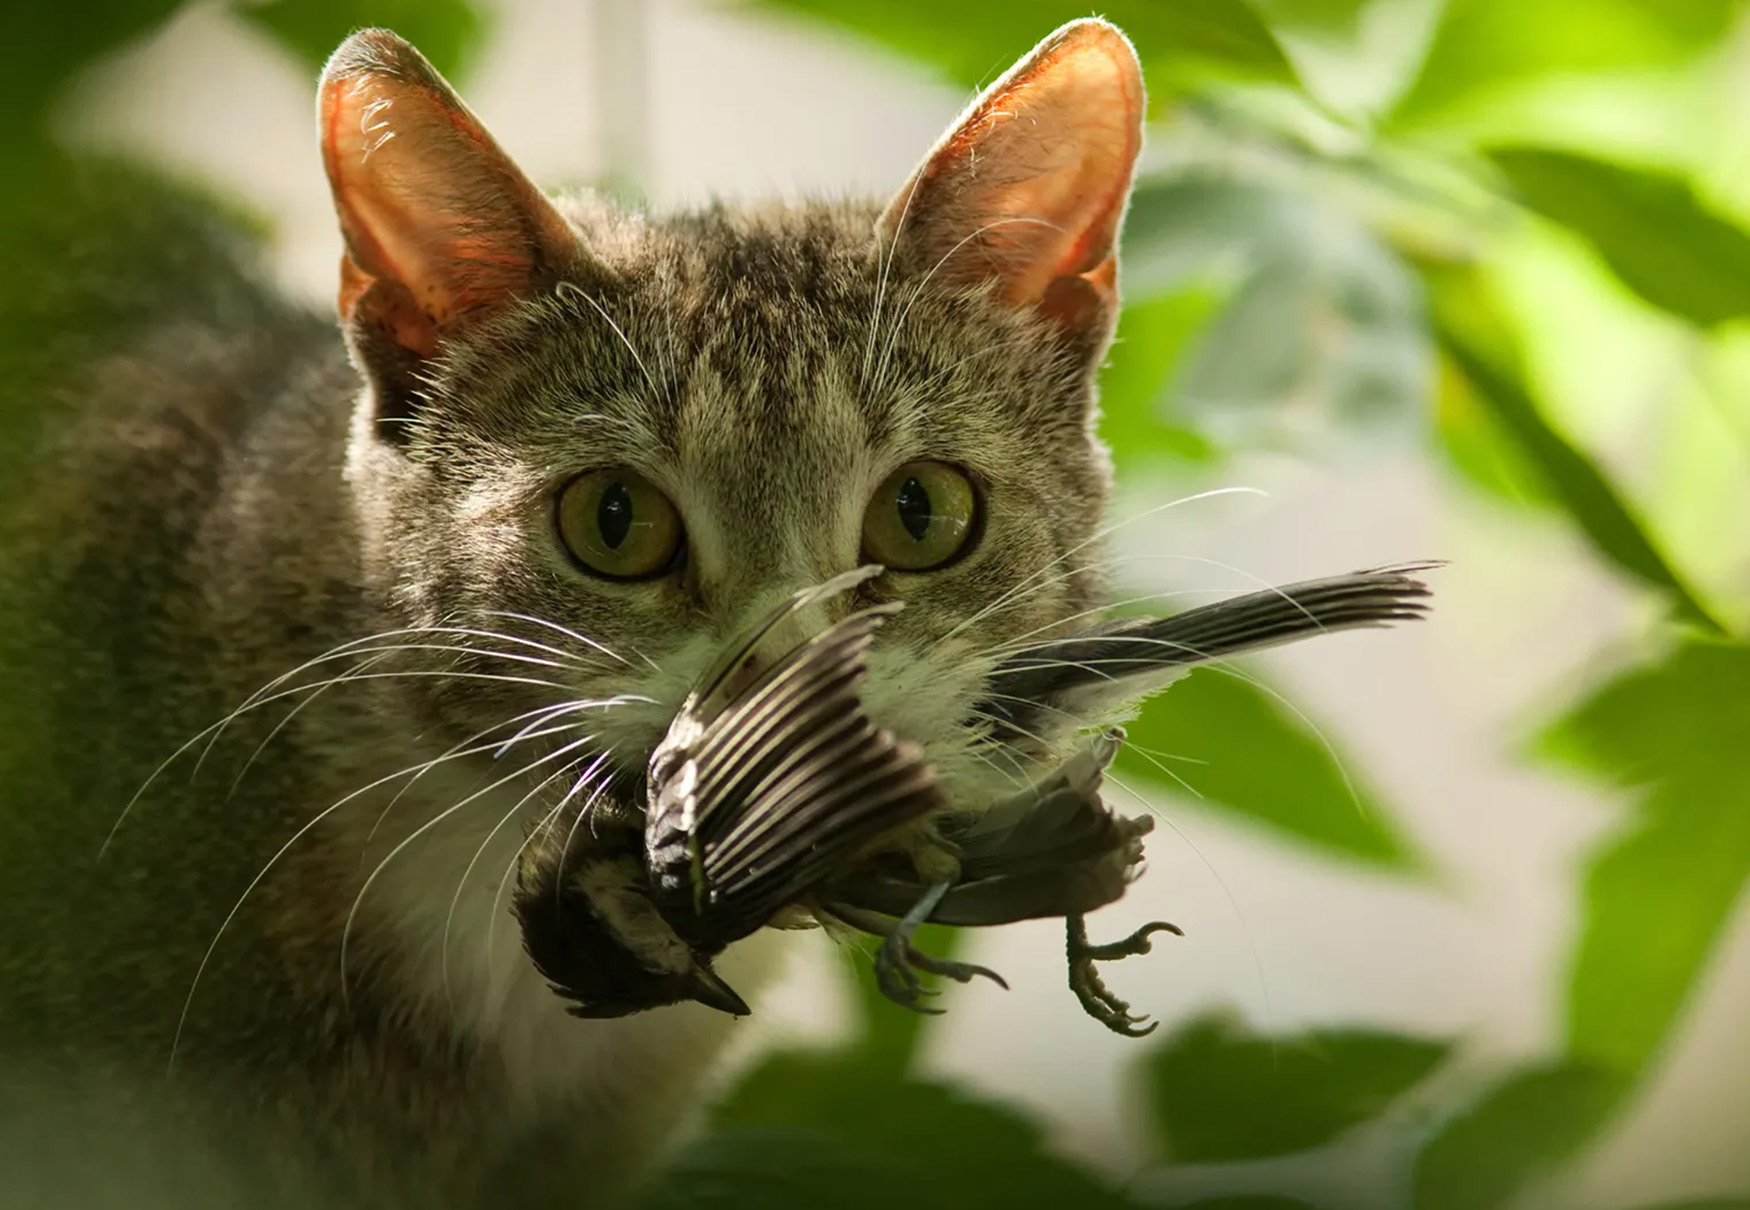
x=775 y=797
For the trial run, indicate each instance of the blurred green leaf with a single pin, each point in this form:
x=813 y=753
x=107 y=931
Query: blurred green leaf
x=1222 y=1094
x=780 y=1168
x=1235 y=745
x=1134 y=415
x=1322 y=333
x=447 y=32
x=1481 y=44
x=1337 y=18
x=956 y=1148
x=1659 y=895
x=1520 y=1129
x=1477 y=446
x=950 y=1148
x=1479 y=345
x=1248 y=1201
x=1706 y=1203
x=846 y=1126
x=1648 y=226
x=1191 y=225
x=975 y=41
x=47 y=44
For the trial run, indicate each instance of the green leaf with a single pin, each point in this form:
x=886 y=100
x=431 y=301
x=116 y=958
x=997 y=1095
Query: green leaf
x=974 y=41
x=1479 y=448
x=1134 y=420
x=1336 y=48
x=1706 y=1203
x=1248 y=1201
x=779 y=1168
x=1647 y=225
x=962 y=1150
x=1483 y=44
x=1659 y=894
x=1333 y=18
x=446 y=31
x=1321 y=332
x=1478 y=343
x=45 y=44
x=1521 y=1129
x=1237 y=747
x=1222 y=1094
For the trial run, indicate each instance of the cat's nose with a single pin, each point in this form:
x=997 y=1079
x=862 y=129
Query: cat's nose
x=774 y=615
x=809 y=598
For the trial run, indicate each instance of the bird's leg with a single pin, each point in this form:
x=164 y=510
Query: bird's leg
x=898 y=961
x=1084 y=976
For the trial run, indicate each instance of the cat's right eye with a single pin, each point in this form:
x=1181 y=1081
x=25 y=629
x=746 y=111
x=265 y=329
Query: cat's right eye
x=921 y=517
x=617 y=524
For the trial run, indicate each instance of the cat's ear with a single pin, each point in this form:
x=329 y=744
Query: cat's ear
x=440 y=226
x=1028 y=188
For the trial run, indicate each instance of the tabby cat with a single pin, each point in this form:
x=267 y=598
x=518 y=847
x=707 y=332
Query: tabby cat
x=307 y=639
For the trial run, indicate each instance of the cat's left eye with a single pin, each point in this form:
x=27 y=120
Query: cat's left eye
x=619 y=525
x=922 y=516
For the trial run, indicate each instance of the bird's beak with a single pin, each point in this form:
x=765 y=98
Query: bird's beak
x=709 y=989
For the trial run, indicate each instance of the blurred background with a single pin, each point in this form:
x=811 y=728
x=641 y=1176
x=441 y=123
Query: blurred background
x=1459 y=279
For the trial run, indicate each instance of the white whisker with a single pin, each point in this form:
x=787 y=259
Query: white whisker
x=898 y=325
x=567 y=632
x=417 y=770
x=605 y=703
x=358 y=899
x=1099 y=535
x=462 y=882
x=210 y=734
x=565 y=288
x=461 y=750
x=886 y=257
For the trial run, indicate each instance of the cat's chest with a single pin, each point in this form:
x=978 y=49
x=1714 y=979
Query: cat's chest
x=446 y=898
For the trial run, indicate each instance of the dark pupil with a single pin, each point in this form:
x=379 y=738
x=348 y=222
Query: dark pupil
x=914 y=509
x=613 y=516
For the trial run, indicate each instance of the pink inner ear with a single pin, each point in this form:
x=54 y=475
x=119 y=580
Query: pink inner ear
x=438 y=222
x=1030 y=186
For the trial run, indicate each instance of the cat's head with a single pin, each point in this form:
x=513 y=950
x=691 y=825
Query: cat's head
x=592 y=445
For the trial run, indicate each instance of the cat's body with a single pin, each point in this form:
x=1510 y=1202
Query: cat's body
x=195 y=448
x=282 y=937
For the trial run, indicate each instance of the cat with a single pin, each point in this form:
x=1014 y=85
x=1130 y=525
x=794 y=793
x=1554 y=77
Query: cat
x=306 y=635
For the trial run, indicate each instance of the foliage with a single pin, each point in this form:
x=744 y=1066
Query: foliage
x=1220 y=1095
x=1347 y=253
x=446 y=31
x=1205 y=736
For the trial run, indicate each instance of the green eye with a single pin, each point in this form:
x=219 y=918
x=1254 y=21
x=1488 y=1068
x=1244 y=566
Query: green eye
x=618 y=525
x=922 y=516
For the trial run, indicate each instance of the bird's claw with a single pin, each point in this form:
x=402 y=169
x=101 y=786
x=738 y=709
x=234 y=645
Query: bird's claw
x=898 y=962
x=1084 y=977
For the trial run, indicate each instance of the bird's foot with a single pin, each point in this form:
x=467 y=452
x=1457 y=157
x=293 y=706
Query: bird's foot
x=898 y=962
x=1084 y=977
